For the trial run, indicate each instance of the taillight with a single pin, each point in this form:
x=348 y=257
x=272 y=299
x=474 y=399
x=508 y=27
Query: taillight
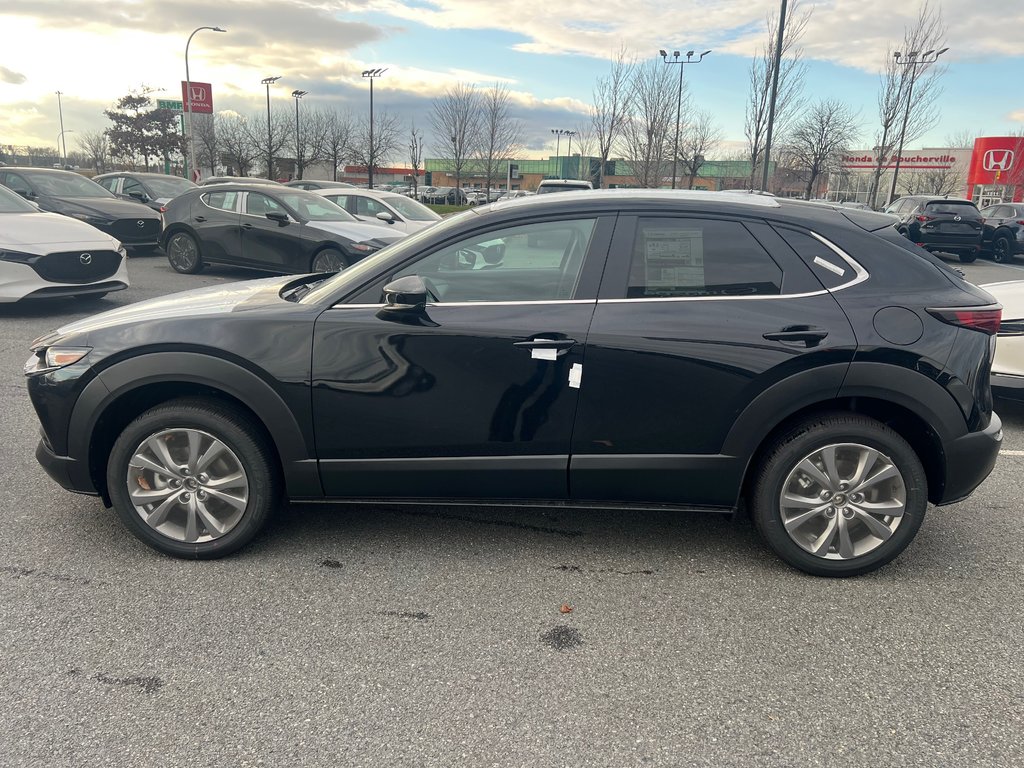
x=984 y=319
x=922 y=217
x=163 y=209
x=1021 y=222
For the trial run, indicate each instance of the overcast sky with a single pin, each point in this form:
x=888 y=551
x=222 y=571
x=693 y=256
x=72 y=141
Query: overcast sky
x=549 y=54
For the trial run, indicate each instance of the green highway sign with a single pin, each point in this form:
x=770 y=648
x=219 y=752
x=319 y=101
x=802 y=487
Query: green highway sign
x=167 y=104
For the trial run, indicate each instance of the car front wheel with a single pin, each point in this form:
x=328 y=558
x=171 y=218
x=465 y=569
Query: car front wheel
x=329 y=260
x=191 y=478
x=839 y=495
x=1001 y=249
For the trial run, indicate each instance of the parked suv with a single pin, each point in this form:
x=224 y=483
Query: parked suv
x=943 y=224
x=1003 y=234
x=651 y=349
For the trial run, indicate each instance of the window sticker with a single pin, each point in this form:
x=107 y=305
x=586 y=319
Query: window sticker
x=673 y=258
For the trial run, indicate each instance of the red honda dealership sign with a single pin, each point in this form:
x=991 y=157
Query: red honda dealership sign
x=997 y=160
x=202 y=97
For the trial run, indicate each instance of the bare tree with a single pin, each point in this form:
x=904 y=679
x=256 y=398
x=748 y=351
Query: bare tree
x=415 y=156
x=339 y=134
x=387 y=128
x=96 y=147
x=790 y=90
x=499 y=133
x=204 y=134
x=455 y=120
x=609 y=112
x=963 y=139
x=271 y=145
x=698 y=138
x=311 y=139
x=585 y=143
x=897 y=80
x=646 y=133
x=938 y=181
x=817 y=140
x=237 y=149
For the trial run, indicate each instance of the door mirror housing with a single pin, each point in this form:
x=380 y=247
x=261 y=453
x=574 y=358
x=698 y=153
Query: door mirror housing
x=406 y=293
x=386 y=216
x=279 y=216
x=142 y=197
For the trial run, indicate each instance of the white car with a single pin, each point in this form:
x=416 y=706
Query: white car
x=397 y=212
x=47 y=255
x=1008 y=367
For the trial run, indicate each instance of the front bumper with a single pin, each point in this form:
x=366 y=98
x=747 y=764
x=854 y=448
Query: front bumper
x=69 y=473
x=969 y=460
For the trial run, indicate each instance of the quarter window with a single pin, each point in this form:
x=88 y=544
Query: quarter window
x=684 y=257
x=532 y=262
x=826 y=265
x=224 y=201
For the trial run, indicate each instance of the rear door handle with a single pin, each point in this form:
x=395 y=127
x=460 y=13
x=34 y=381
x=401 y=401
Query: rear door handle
x=247 y=225
x=809 y=335
x=545 y=343
x=200 y=218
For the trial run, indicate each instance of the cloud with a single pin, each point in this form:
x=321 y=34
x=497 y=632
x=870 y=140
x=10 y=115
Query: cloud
x=1016 y=116
x=10 y=76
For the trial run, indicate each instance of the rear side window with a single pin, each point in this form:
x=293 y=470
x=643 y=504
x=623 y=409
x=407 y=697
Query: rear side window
x=827 y=266
x=224 y=201
x=699 y=257
x=952 y=206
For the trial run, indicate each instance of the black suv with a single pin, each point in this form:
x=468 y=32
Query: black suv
x=943 y=224
x=636 y=349
x=1003 y=234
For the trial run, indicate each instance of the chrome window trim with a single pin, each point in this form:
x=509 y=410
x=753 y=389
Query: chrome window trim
x=860 y=275
x=442 y=305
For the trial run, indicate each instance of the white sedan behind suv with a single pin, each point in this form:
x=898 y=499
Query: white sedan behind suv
x=388 y=209
x=47 y=255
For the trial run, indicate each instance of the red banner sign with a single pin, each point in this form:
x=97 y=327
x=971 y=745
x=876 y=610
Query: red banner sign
x=201 y=97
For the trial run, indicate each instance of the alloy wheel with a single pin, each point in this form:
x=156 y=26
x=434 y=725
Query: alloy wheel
x=182 y=252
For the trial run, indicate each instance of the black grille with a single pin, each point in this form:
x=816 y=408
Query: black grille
x=77 y=266
x=128 y=230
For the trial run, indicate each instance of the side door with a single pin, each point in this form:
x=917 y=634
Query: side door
x=215 y=221
x=474 y=395
x=992 y=217
x=697 y=318
x=270 y=244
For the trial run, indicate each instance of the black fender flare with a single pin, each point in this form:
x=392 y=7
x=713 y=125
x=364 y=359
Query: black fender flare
x=293 y=445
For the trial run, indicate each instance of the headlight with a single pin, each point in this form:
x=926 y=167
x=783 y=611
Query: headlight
x=46 y=359
x=361 y=247
x=96 y=221
x=18 y=256
x=123 y=251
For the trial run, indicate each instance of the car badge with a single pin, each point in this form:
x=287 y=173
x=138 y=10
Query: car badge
x=85 y=258
x=140 y=223
x=956 y=218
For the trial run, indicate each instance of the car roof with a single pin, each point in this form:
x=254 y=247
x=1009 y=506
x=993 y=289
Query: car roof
x=55 y=171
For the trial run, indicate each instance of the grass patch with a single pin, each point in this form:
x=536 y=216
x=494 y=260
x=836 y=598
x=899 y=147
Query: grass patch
x=445 y=210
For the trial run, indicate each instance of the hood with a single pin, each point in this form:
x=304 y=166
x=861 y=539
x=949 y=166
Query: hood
x=357 y=231
x=212 y=300
x=35 y=232
x=100 y=207
x=1011 y=295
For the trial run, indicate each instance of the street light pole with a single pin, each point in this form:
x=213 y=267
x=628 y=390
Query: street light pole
x=64 y=147
x=269 y=81
x=188 y=101
x=568 y=152
x=60 y=143
x=297 y=95
x=913 y=62
x=371 y=74
x=558 y=138
x=776 y=66
x=679 y=98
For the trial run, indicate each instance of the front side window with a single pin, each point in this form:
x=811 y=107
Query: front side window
x=530 y=262
x=18 y=184
x=133 y=188
x=260 y=205
x=367 y=206
x=684 y=257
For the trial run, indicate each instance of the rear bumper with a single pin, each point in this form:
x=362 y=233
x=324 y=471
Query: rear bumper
x=951 y=246
x=969 y=460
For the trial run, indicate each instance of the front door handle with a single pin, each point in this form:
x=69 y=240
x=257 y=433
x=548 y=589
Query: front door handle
x=809 y=335
x=247 y=225
x=545 y=343
x=200 y=218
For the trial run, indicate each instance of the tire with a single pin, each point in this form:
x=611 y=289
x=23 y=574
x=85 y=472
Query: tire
x=183 y=253
x=329 y=260
x=969 y=257
x=180 y=512
x=1001 y=251
x=846 y=438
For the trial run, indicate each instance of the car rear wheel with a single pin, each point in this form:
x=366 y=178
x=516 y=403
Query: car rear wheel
x=1001 y=249
x=329 y=260
x=191 y=478
x=183 y=253
x=839 y=495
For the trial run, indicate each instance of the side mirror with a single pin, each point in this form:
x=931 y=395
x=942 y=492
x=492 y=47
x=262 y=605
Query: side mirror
x=142 y=197
x=407 y=293
x=386 y=216
x=28 y=194
x=279 y=216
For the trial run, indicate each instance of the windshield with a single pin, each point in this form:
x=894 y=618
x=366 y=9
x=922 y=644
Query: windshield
x=11 y=202
x=411 y=210
x=64 y=185
x=168 y=186
x=314 y=207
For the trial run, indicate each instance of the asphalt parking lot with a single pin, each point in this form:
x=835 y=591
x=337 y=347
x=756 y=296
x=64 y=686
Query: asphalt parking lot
x=380 y=636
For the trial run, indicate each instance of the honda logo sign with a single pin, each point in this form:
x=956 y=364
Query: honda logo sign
x=998 y=160
x=197 y=95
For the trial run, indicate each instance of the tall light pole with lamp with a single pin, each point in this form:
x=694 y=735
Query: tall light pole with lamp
x=559 y=133
x=910 y=60
x=679 y=98
x=269 y=81
x=298 y=144
x=188 y=101
x=60 y=143
x=568 y=152
x=63 y=147
x=371 y=75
